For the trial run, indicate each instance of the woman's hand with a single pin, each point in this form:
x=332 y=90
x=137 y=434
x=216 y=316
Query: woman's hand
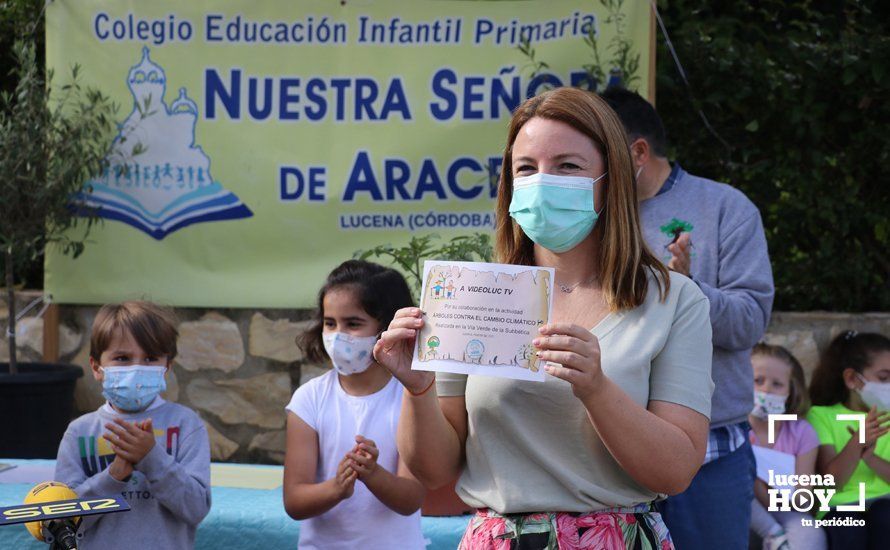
x=577 y=353
x=396 y=345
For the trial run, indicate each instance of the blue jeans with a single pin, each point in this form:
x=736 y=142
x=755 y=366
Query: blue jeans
x=715 y=510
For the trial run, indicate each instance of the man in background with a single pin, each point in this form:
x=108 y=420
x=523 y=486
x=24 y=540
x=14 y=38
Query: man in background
x=713 y=234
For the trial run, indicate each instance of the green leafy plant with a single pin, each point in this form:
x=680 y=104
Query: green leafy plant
x=410 y=257
x=534 y=66
x=51 y=143
x=623 y=63
x=20 y=18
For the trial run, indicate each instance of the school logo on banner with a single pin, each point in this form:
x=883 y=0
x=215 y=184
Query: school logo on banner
x=159 y=179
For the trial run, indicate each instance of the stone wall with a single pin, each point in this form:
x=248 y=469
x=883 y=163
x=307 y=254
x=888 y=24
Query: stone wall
x=238 y=368
x=807 y=335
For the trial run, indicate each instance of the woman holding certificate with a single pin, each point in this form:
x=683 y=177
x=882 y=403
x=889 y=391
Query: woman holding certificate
x=621 y=420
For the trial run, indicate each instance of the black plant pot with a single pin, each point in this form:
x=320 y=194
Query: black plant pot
x=35 y=407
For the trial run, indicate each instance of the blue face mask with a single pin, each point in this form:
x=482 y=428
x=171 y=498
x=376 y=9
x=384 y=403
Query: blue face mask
x=555 y=212
x=133 y=388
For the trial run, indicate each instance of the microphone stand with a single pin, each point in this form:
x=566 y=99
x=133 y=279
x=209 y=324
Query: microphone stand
x=64 y=534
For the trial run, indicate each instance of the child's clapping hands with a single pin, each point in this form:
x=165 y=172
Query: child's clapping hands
x=130 y=441
x=363 y=458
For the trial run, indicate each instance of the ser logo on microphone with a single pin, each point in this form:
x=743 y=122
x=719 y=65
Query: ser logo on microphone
x=60 y=509
x=52 y=513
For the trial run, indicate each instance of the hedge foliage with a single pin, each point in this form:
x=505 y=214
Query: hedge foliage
x=800 y=91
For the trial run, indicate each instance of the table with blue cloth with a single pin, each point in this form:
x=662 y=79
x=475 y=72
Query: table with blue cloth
x=246 y=513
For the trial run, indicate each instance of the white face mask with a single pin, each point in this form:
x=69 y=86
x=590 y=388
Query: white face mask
x=875 y=394
x=640 y=171
x=766 y=404
x=349 y=354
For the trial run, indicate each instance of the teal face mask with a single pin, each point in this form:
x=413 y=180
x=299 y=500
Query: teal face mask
x=555 y=212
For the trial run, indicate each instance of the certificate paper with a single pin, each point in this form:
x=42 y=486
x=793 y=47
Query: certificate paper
x=772 y=460
x=481 y=318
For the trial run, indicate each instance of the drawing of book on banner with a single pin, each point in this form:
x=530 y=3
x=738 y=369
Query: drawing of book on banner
x=158 y=180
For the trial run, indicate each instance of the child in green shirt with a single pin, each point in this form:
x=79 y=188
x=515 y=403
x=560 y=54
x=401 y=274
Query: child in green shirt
x=853 y=377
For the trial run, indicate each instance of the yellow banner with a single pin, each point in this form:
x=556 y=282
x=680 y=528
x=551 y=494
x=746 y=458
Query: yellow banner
x=261 y=143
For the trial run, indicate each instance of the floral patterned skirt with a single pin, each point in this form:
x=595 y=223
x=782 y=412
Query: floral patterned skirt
x=637 y=528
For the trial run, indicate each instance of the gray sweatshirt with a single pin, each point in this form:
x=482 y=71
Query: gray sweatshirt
x=168 y=493
x=730 y=264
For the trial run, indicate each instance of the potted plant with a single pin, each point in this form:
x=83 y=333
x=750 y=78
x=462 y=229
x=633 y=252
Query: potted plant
x=51 y=142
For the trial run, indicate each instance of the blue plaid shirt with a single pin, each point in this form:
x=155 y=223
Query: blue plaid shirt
x=726 y=439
